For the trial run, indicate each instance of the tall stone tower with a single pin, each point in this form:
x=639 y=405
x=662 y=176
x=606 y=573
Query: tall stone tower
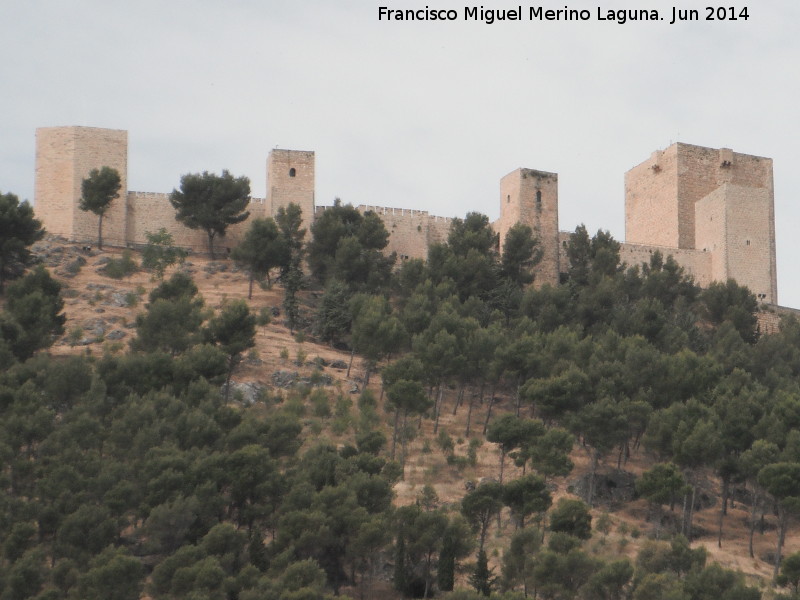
x=290 y=178
x=64 y=158
x=531 y=197
x=711 y=200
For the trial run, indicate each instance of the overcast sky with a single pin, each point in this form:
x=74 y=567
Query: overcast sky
x=426 y=115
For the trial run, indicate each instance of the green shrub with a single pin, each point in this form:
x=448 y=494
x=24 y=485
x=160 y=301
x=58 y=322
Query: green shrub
x=343 y=419
x=119 y=268
x=74 y=336
x=319 y=403
x=301 y=357
x=131 y=299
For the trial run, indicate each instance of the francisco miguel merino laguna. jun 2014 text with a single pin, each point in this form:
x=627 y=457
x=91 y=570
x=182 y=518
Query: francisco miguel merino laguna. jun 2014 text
x=539 y=13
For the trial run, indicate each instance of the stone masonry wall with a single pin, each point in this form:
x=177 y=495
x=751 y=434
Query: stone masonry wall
x=411 y=232
x=770 y=316
x=710 y=236
x=696 y=262
x=148 y=212
x=650 y=199
x=749 y=240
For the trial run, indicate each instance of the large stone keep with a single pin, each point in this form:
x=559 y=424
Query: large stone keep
x=714 y=201
x=64 y=158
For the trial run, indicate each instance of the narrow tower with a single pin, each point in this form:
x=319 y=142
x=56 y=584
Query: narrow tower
x=290 y=179
x=531 y=197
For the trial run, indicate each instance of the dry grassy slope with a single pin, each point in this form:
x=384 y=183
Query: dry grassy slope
x=423 y=466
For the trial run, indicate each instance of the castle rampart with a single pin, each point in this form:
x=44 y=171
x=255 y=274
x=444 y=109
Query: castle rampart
x=148 y=212
x=711 y=209
x=411 y=232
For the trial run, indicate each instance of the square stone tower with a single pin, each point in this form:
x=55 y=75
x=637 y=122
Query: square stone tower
x=711 y=200
x=290 y=178
x=531 y=197
x=64 y=158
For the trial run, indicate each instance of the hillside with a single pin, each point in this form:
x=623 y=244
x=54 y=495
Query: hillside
x=101 y=312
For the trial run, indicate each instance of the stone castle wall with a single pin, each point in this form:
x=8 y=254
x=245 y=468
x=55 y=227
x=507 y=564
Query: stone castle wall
x=411 y=232
x=697 y=263
x=711 y=209
x=148 y=212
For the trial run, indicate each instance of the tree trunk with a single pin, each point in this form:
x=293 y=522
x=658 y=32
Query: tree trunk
x=469 y=416
x=367 y=373
x=437 y=409
x=659 y=516
x=396 y=425
x=489 y=411
x=683 y=514
x=691 y=515
x=756 y=502
x=595 y=457
x=100 y=233
x=231 y=366
x=783 y=518
x=428 y=561
x=459 y=398
x=723 y=509
x=471 y=404
x=349 y=366
x=211 y=245
x=250 y=288
x=403 y=446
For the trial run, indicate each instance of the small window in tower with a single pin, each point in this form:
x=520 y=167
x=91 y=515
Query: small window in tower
x=292 y=172
x=538 y=199
x=748 y=242
x=508 y=199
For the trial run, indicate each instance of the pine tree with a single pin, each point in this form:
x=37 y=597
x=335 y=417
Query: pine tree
x=482 y=578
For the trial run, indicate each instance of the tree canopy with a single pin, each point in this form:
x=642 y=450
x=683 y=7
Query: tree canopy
x=211 y=202
x=262 y=249
x=98 y=191
x=18 y=230
x=347 y=245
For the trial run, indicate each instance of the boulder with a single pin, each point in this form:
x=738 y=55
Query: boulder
x=284 y=379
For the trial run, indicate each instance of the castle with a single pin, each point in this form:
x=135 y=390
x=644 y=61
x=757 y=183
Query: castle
x=712 y=210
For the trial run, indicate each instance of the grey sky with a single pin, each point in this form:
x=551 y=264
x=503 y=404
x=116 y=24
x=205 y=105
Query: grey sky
x=426 y=115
